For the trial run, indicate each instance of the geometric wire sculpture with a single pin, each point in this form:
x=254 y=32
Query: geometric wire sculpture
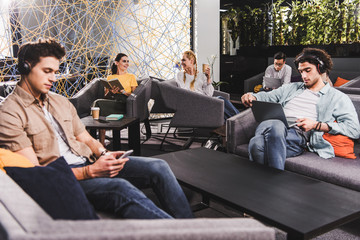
x=153 y=33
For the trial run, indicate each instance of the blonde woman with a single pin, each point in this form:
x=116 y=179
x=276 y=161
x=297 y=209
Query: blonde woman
x=191 y=79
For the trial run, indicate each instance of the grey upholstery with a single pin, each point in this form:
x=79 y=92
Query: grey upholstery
x=250 y=83
x=344 y=172
x=136 y=103
x=83 y=99
x=6 y=88
x=22 y=219
x=351 y=87
x=190 y=108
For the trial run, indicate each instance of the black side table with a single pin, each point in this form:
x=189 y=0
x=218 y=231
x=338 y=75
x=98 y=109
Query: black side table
x=133 y=125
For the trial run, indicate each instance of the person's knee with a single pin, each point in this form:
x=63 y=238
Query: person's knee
x=158 y=166
x=256 y=145
x=272 y=127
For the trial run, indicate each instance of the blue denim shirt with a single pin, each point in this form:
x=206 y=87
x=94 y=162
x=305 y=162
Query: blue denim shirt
x=333 y=105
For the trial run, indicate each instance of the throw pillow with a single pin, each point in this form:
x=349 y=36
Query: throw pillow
x=10 y=159
x=55 y=188
x=340 y=81
x=257 y=88
x=343 y=145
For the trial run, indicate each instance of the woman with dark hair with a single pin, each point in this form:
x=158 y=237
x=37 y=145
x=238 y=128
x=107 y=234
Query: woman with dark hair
x=127 y=80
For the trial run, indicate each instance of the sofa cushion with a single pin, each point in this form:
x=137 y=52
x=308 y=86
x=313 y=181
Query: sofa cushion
x=10 y=159
x=340 y=171
x=343 y=145
x=340 y=81
x=55 y=188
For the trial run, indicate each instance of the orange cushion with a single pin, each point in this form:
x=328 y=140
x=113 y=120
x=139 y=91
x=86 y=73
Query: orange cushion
x=340 y=81
x=343 y=145
x=10 y=159
x=257 y=88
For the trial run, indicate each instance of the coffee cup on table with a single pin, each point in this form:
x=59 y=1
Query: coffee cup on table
x=95 y=112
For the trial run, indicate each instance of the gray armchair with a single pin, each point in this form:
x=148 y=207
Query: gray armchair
x=191 y=110
x=136 y=103
x=250 y=83
x=189 y=107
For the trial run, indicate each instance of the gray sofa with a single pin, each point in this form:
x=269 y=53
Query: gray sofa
x=347 y=68
x=250 y=83
x=21 y=218
x=351 y=87
x=340 y=171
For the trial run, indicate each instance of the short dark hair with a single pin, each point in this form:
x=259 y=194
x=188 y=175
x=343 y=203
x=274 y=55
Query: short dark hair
x=316 y=57
x=32 y=51
x=113 y=65
x=280 y=55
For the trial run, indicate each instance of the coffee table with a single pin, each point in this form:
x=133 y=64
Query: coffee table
x=301 y=206
x=133 y=125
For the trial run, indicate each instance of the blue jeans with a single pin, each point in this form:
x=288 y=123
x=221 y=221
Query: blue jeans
x=229 y=109
x=121 y=194
x=273 y=143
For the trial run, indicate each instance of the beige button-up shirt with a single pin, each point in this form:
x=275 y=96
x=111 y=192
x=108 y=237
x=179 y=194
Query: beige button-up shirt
x=23 y=124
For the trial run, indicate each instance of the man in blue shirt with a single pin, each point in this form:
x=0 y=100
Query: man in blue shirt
x=318 y=108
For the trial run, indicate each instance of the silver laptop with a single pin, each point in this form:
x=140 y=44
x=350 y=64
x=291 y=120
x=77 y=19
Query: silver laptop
x=271 y=82
x=268 y=110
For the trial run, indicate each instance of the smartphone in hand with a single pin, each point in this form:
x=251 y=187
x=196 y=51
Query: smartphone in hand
x=126 y=154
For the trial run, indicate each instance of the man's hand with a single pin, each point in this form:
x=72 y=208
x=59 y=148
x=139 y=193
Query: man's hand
x=247 y=99
x=108 y=165
x=306 y=124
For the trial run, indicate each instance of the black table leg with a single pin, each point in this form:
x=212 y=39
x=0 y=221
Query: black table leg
x=93 y=133
x=116 y=140
x=134 y=138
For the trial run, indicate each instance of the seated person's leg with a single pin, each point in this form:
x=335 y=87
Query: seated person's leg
x=295 y=143
x=256 y=149
x=155 y=173
x=272 y=144
x=118 y=196
x=229 y=109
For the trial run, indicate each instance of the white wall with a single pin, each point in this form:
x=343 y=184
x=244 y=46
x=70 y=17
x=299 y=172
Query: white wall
x=207 y=33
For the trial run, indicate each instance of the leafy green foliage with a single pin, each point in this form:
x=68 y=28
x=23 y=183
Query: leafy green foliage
x=296 y=23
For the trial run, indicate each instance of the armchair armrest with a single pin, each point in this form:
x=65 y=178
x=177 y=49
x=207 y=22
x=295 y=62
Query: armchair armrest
x=240 y=129
x=136 y=103
x=250 y=83
x=83 y=99
x=222 y=94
